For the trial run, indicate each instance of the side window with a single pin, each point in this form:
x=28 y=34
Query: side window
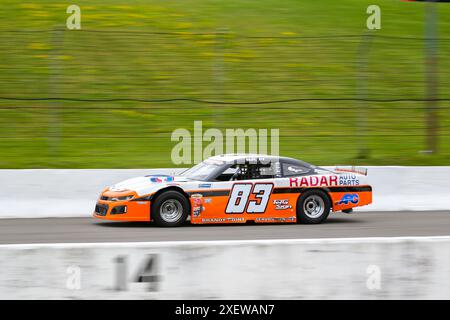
x=254 y=171
x=290 y=169
x=249 y=171
x=227 y=174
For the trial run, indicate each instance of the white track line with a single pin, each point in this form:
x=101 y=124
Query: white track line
x=226 y=242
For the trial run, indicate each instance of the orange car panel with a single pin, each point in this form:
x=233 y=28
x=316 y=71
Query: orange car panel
x=136 y=210
x=281 y=207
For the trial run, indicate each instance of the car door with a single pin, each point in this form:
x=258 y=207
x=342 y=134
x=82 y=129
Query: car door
x=254 y=194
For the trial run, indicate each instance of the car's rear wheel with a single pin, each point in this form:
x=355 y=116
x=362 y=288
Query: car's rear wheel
x=313 y=207
x=170 y=209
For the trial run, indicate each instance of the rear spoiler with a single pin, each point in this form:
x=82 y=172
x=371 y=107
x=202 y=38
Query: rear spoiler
x=351 y=169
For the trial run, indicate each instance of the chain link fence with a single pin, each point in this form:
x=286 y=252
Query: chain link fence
x=90 y=98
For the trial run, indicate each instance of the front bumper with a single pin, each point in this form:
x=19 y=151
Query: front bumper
x=122 y=210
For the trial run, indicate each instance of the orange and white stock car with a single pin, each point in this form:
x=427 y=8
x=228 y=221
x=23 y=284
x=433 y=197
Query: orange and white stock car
x=237 y=188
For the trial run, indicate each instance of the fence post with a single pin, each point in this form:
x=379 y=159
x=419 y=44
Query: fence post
x=362 y=94
x=431 y=64
x=219 y=71
x=54 y=125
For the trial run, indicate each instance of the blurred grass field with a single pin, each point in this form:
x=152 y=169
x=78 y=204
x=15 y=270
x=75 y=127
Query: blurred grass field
x=227 y=51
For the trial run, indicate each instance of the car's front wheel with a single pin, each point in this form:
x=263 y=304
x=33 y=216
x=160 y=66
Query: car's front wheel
x=170 y=209
x=313 y=207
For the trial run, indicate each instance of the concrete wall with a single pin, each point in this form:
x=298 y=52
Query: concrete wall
x=64 y=193
x=387 y=268
x=58 y=192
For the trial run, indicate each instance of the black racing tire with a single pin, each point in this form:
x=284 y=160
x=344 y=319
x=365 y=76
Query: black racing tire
x=313 y=207
x=170 y=209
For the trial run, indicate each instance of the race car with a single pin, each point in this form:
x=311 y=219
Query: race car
x=237 y=188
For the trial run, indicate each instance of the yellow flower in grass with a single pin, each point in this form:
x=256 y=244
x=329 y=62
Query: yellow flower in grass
x=38 y=46
x=136 y=15
x=266 y=41
x=123 y=7
x=64 y=57
x=208 y=54
x=183 y=25
x=205 y=43
x=43 y=14
x=58 y=5
x=133 y=114
x=292 y=65
x=289 y=34
x=30 y=5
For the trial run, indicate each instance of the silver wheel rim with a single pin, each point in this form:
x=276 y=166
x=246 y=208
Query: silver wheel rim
x=313 y=206
x=171 y=210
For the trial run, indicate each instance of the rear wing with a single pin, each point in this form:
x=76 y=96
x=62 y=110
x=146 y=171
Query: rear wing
x=351 y=169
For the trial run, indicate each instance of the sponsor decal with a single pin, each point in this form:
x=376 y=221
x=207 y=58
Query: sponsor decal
x=313 y=181
x=207 y=200
x=219 y=220
x=197 y=200
x=347 y=198
x=324 y=181
x=196 y=211
x=288 y=219
x=282 y=204
x=161 y=179
x=204 y=185
x=348 y=180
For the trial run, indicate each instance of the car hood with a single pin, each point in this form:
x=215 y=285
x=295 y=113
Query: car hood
x=147 y=184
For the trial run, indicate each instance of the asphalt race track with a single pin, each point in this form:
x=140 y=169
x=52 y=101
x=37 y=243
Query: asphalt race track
x=338 y=225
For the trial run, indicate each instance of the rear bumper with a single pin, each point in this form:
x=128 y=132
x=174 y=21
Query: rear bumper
x=352 y=198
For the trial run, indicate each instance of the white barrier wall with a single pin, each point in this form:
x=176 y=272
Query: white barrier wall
x=59 y=192
x=73 y=193
x=386 y=268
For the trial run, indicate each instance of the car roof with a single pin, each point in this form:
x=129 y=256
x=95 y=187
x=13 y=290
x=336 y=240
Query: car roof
x=233 y=157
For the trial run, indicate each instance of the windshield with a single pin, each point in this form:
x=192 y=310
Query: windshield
x=202 y=170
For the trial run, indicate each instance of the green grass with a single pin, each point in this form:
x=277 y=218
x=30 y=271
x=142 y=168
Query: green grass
x=232 y=51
